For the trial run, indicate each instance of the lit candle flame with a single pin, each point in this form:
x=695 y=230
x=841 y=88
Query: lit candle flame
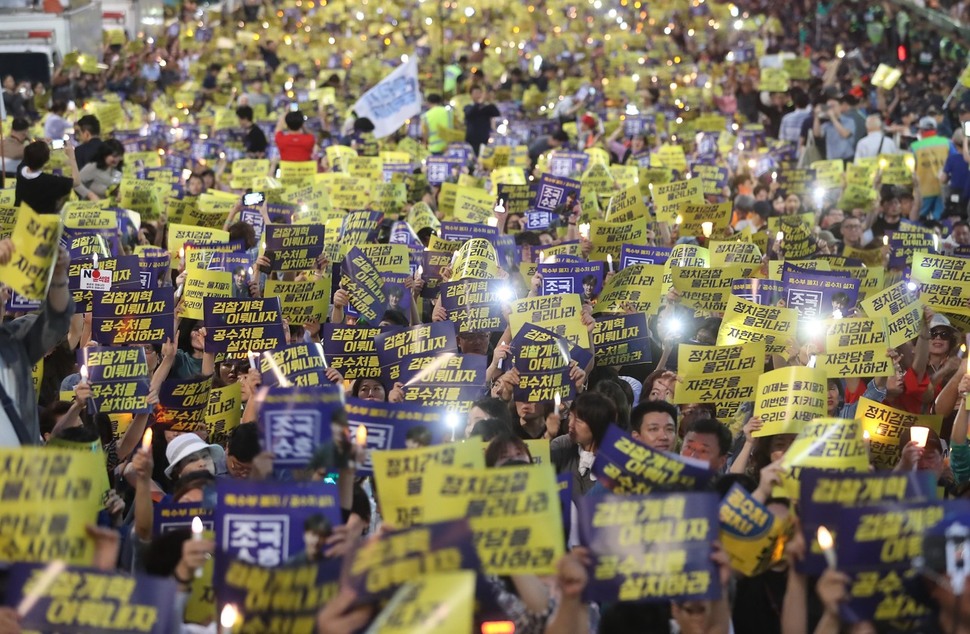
x=146 y=440
x=866 y=436
x=779 y=236
x=707 y=228
x=826 y=543
x=197 y=528
x=228 y=616
x=94 y=260
x=84 y=373
x=885 y=241
x=919 y=435
x=361 y=435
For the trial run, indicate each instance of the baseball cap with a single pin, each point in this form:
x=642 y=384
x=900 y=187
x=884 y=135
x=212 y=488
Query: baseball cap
x=927 y=123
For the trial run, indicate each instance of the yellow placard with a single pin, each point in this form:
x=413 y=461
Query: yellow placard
x=402 y=505
x=885 y=426
x=43 y=487
x=200 y=283
x=832 y=444
x=35 y=238
x=789 y=398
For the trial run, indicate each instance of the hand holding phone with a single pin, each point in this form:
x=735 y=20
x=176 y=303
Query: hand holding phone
x=57 y=144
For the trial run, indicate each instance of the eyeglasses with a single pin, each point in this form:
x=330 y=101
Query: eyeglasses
x=939 y=333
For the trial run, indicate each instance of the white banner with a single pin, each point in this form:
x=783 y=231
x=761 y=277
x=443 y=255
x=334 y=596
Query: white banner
x=392 y=101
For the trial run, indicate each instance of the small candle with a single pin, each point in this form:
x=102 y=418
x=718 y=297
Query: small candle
x=811 y=361
x=228 y=618
x=542 y=256
x=146 y=440
x=253 y=360
x=867 y=441
x=500 y=207
x=919 y=435
x=361 y=435
x=557 y=401
x=419 y=272
x=885 y=241
x=707 y=228
x=609 y=261
x=94 y=260
x=779 y=236
x=936 y=242
x=679 y=220
x=584 y=230
x=197 y=530
x=84 y=373
x=963 y=351
x=181 y=253
x=249 y=271
x=825 y=541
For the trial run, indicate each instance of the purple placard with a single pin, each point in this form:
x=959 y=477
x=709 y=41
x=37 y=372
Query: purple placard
x=669 y=552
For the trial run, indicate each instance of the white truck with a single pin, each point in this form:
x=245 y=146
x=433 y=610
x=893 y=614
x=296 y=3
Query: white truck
x=33 y=42
x=138 y=19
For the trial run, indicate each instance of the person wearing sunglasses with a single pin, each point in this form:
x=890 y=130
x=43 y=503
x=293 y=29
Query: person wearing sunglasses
x=935 y=360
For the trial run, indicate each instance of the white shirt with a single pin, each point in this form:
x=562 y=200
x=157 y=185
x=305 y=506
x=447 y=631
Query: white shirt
x=868 y=146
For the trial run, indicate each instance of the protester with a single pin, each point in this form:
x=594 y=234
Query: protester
x=379 y=361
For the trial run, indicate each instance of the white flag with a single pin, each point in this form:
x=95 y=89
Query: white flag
x=392 y=101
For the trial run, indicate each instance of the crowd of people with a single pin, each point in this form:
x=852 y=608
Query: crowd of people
x=546 y=157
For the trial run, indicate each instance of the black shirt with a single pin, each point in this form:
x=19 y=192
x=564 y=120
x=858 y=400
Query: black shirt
x=86 y=152
x=42 y=193
x=478 y=123
x=255 y=141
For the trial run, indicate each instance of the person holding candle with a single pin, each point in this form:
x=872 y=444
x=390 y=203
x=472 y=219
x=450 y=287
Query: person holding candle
x=934 y=362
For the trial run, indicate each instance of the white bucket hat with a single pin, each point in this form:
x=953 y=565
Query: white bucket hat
x=184 y=446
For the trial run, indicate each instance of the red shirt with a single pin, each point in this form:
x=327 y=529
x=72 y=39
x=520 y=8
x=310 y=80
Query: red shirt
x=295 y=147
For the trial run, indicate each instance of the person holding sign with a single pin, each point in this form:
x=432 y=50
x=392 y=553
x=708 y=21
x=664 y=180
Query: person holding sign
x=23 y=343
x=39 y=190
x=589 y=417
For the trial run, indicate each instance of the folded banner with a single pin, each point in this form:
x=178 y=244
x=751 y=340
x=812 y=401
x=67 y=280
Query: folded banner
x=653 y=548
x=118 y=377
x=627 y=466
x=394 y=100
x=295 y=421
x=88 y=601
x=50 y=497
x=513 y=512
x=124 y=317
x=238 y=326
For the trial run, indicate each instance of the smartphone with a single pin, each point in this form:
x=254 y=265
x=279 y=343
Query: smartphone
x=254 y=198
x=294 y=107
x=57 y=144
x=966 y=128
